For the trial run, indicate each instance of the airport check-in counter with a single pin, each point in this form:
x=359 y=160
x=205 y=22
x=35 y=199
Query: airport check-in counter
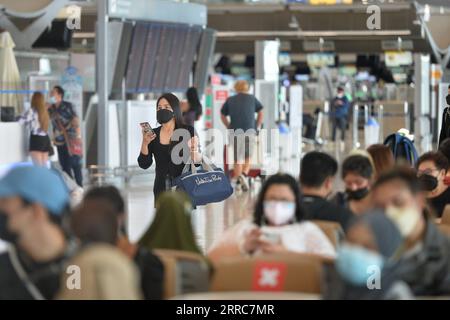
x=13 y=143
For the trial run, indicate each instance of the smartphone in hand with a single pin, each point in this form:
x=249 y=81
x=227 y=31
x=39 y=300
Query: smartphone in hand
x=271 y=237
x=147 y=128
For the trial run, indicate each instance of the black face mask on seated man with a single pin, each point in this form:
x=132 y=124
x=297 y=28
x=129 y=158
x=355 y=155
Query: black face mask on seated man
x=5 y=234
x=447 y=98
x=428 y=182
x=357 y=194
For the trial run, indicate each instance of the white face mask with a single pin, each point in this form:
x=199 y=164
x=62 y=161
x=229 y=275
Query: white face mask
x=52 y=100
x=405 y=219
x=279 y=213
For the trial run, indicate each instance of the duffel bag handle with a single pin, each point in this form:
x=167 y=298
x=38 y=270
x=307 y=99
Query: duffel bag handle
x=206 y=163
x=190 y=165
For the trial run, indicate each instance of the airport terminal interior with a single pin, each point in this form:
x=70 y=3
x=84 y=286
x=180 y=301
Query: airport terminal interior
x=225 y=150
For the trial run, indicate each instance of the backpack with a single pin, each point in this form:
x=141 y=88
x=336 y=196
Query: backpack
x=402 y=148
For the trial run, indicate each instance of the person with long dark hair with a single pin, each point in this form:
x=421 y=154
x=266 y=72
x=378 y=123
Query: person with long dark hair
x=277 y=225
x=171 y=145
x=191 y=107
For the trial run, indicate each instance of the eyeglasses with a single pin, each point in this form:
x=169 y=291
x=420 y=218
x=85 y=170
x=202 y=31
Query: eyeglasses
x=427 y=171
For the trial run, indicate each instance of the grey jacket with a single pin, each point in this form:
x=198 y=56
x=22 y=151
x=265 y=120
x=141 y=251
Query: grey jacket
x=334 y=287
x=427 y=271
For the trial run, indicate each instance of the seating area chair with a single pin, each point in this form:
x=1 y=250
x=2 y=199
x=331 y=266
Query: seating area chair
x=288 y=272
x=332 y=230
x=249 y=295
x=184 y=272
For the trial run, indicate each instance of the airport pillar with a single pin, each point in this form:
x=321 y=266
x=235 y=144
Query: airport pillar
x=422 y=107
x=435 y=75
x=102 y=82
x=296 y=124
x=267 y=84
x=266 y=60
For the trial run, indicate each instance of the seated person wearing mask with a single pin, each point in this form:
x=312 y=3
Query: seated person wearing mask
x=278 y=226
x=34 y=203
x=318 y=171
x=425 y=258
x=366 y=265
x=357 y=173
x=432 y=169
x=149 y=265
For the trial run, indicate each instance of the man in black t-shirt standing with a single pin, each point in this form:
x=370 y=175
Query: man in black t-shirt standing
x=317 y=174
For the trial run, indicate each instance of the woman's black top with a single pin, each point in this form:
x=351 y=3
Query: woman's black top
x=165 y=169
x=438 y=203
x=445 y=128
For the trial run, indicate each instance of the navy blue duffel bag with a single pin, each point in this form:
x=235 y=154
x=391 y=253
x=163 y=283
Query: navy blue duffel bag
x=204 y=185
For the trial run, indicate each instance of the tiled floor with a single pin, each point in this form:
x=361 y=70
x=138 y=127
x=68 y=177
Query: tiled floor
x=208 y=221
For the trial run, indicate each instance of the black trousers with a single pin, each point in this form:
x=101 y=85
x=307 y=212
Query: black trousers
x=340 y=123
x=70 y=164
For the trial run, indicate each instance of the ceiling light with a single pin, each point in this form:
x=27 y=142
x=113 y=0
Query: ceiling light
x=426 y=13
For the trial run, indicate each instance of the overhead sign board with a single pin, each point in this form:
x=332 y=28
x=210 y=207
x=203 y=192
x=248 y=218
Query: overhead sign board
x=158 y=10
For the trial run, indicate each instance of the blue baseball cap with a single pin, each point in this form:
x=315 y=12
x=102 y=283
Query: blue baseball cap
x=36 y=185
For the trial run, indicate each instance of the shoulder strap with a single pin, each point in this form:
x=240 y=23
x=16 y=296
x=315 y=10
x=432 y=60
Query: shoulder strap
x=20 y=271
x=413 y=151
x=60 y=125
x=408 y=150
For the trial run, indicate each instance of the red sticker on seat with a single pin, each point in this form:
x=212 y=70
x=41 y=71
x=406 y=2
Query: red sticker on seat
x=269 y=276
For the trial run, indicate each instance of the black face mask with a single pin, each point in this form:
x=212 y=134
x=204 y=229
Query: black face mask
x=428 y=182
x=447 y=98
x=164 y=116
x=5 y=234
x=357 y=194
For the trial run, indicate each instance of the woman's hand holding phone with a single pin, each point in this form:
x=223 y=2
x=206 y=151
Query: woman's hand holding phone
x=256 y=239
x=271 y=243
x=148 y=135
x=251 y=240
